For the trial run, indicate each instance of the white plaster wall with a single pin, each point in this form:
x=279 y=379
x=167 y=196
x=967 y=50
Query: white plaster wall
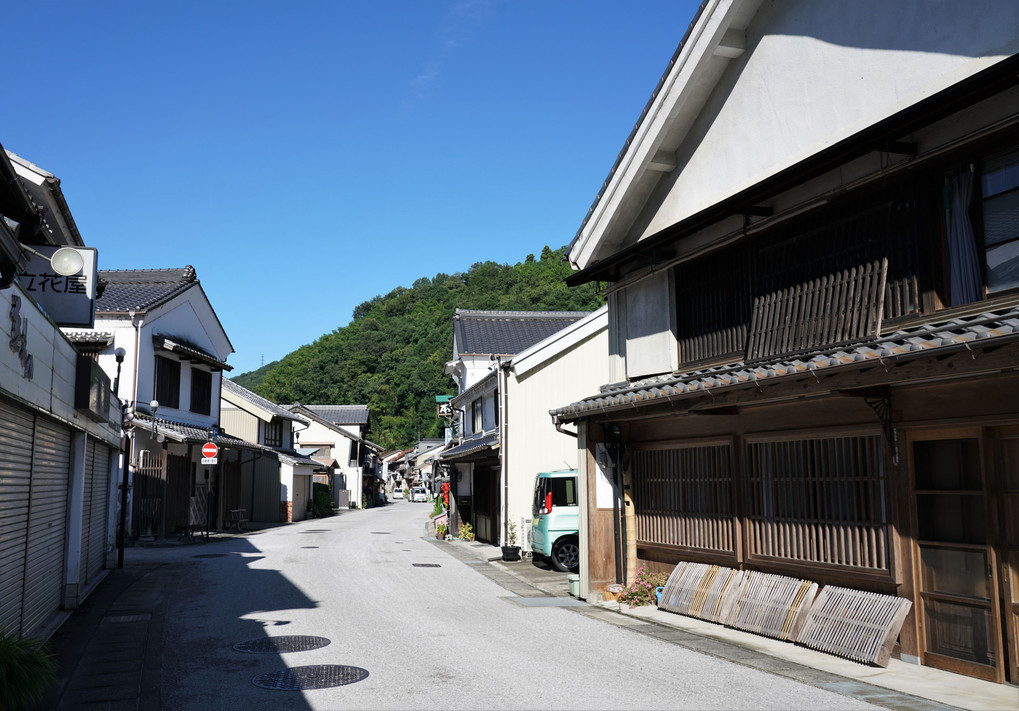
x=51 y=387
x=476 y=369
x=190 y=318
x=533 y=444
x=818 y=72
x=341 y=453
x=54 y=365
x=645 y=320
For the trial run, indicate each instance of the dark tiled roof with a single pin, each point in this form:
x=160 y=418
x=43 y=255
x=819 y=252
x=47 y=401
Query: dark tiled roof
x=100 y=339
x=987 y=330
x=259 y=401
x=341 y=414
x=472 y=445
x=183 y=432
x=188 y=350
x=140 y=289
x=507 y=332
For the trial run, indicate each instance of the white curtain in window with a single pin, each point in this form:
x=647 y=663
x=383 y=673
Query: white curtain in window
x=964 y=274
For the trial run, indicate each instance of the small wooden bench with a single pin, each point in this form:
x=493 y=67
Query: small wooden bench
x=238 y=520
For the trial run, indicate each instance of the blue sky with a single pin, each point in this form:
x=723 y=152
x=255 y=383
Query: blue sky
x=305 y=156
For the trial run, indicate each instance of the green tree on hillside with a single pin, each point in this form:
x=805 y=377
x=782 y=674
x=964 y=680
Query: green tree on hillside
x=391 y=354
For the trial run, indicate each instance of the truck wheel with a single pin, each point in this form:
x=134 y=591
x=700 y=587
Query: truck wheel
x=566 y=555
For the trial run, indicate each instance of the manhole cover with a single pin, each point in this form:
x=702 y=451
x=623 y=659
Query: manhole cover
x=210 y=555
x=318 y=676
x=426 y=565
x=282 y=643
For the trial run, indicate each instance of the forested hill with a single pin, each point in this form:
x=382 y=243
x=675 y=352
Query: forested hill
x=391 y=355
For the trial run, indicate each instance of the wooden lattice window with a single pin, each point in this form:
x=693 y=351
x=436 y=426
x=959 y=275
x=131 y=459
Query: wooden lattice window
x=836 y=308
x=826 y=277
x=274 y=433
x=714 y=299
x=818 y=501
x=683 y=496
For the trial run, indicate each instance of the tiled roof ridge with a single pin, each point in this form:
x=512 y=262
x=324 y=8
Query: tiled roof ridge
x=185 y=274
x=86 y=335
x=474 y=313
x=262 y=402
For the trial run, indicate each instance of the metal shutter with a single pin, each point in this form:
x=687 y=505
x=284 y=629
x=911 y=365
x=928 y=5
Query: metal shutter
x=94 y=509
x=15 y=477
x=47 y=514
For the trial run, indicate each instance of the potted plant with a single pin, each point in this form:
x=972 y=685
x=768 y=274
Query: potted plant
x=466 y=532
x=512 y=550
x=26 y=668
x=440 y=531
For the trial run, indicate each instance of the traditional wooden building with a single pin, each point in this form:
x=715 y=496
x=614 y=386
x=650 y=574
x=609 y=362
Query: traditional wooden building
x=810 y=246
x=484 y=343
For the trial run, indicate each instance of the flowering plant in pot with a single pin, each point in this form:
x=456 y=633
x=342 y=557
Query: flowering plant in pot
x=642 y=590
x=512 y=550
x=440 y=531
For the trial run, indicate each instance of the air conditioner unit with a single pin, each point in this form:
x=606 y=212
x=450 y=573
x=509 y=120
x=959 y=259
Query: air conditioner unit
x=525 y=535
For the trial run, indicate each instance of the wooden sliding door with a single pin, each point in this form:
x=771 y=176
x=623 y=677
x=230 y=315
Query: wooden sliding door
x=954 y=556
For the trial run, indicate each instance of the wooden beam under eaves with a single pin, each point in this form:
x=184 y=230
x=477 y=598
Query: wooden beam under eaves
x=869 y=391
x=722 y=410
x=900 y=147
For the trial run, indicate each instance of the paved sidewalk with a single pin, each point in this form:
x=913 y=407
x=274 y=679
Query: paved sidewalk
x=105 y=649
x=902 y=686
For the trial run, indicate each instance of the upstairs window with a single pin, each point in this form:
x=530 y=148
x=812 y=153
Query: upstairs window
x=477 y=422
x=274 y=433
x=167 y=382
x=827 y=277
x=201 y=391
x=999 y=186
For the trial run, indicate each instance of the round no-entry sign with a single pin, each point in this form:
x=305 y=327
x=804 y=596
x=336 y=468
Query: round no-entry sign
x=210 y=450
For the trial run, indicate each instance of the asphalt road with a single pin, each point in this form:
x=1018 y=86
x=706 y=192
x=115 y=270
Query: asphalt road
x=433 y=636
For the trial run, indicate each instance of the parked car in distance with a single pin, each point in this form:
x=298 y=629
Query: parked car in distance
x=419 y=493
x=397 y=492
x=555 y=520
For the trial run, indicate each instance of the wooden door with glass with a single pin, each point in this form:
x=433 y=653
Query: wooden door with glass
x=954 y=533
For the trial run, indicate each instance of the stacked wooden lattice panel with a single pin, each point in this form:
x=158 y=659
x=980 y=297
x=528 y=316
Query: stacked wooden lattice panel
x=698 y=590
x=856 y=624
x=772 y=605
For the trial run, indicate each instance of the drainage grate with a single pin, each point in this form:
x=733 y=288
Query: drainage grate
x=426 y=565
x=309 y=546
x=210 y=555
x=283 y=643
x=318 y=676
x=381 y=533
